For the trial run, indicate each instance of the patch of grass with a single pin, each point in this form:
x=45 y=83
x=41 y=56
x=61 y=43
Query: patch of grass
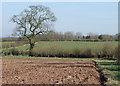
x=111 y=70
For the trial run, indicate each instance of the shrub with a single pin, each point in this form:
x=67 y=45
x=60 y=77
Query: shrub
x=48 y=51
x=23 y=53
x=68 y=53
x=117 y=52
x=38 y=52
x=5 y=52
x=77 y=52
x=87 y=53
x=108 y=50
x=97 y=52
x=10 y=52
x=14 y=51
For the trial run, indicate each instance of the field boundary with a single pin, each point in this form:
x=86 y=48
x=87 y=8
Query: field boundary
x=17 y=46
x=103 y=79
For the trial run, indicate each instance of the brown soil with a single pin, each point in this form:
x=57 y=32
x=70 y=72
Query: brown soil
x=49 y=71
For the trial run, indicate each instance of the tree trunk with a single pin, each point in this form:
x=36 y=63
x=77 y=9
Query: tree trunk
x=31 y=47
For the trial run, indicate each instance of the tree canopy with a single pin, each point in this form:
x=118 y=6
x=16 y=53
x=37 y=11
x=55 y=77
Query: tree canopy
x=33 y=21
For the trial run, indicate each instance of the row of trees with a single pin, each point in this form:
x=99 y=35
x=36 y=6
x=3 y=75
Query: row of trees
x=70 y=36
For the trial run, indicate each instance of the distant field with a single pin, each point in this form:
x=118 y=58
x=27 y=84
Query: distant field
x=70 y=45
x=7 y=44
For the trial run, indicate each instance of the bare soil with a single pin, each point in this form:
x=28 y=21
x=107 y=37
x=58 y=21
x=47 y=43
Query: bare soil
x=49 y=71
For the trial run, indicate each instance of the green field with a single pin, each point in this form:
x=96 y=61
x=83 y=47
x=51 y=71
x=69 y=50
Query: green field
x=6 y=44
x=111 y=70
x=70 y=45
x=69 y=49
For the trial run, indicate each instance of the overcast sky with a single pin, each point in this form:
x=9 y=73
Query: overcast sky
x=84 y=17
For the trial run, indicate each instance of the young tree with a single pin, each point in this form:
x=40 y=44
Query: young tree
x=33 y=21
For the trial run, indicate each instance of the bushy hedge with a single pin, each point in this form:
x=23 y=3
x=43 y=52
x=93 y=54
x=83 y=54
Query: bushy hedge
x=14 y=51
x=106 y=50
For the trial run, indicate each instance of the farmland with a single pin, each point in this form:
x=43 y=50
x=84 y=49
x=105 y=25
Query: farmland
x=67 y=66
x=39 y=71
x=64 y=44
x=68 y=49
x=38 y=62
x=7 y=44
x=70 y=44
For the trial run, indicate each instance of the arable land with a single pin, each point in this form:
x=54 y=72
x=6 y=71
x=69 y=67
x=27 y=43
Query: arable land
x=49 y=71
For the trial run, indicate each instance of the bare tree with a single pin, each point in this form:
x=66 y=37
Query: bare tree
x=78 y=35
x=33 y=21
x=92 y=35
x=69 y=36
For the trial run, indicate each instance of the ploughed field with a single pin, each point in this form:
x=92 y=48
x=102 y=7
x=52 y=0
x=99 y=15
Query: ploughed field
x=49 y=71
